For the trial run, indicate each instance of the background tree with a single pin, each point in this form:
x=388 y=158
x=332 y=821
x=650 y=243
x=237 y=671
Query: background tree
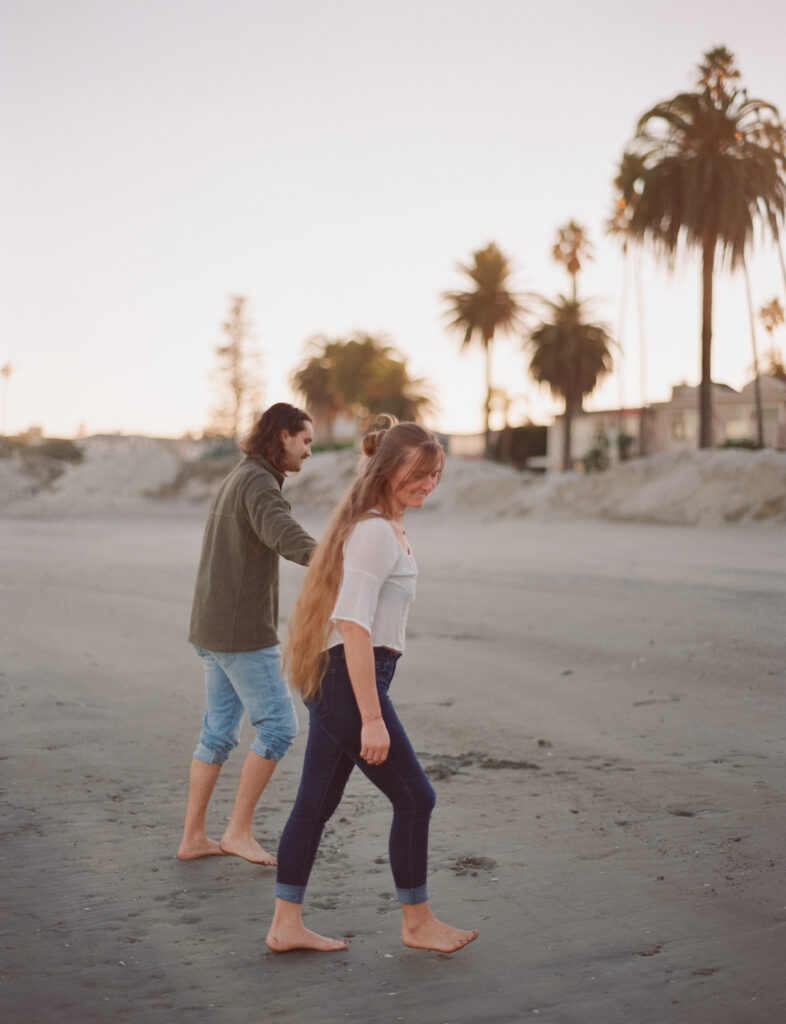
x=237 y=375
x=755 y=351
x=702 y=169
x=571 y=248
x=315 y=380
x=618 y=228
x=393 y=390
x=487 y=307
x=771 y=315
x=571 y=354
x=361 y=376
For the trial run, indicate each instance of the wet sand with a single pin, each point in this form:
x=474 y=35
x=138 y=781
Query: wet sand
x=600 y=707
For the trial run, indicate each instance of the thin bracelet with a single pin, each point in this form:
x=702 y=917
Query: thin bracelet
x=367 y=721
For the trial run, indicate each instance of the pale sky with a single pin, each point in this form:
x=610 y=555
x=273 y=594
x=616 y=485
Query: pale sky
x=332 y=162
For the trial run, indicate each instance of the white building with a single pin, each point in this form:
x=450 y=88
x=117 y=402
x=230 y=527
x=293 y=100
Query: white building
x=673 y=425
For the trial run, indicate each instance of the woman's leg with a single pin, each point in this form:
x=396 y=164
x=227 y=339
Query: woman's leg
x=326 y=769
x=332 y=750
x=401 y=778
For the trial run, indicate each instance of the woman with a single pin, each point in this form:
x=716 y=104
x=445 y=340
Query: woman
x=354 y=602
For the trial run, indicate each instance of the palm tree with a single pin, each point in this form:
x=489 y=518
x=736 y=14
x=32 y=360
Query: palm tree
x=618 y=227
x=771 y=315
x=392 y=390
x=754 y=347
x=314 y=379
x=571 y=248
x=571 y=354
x=363 y=375
x=702 y=169
x=488 y=307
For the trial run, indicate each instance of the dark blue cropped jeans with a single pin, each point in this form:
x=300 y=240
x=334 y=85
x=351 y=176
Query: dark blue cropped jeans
x=332 y=751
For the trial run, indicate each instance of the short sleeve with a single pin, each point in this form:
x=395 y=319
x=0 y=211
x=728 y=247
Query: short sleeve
x=370 y=555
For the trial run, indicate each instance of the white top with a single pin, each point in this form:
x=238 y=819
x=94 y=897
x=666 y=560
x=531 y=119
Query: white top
x=377 y=586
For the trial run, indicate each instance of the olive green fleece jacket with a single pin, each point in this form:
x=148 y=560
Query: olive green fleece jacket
x=249 y=526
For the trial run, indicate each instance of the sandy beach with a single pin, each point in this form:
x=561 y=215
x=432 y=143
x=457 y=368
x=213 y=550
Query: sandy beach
x=600 y=705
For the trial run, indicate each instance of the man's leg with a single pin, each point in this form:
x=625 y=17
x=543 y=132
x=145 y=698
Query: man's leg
x=237 y=838
x=216 y=740
x=257 y=681
x=195 y=844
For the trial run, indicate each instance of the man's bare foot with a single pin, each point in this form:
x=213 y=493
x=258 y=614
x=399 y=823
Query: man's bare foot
x=194 y=849
x=433 y=934
x=284 y=938
x=249 y=849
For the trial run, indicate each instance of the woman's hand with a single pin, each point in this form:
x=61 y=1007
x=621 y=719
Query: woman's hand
x=374 y=741
x=374 y=737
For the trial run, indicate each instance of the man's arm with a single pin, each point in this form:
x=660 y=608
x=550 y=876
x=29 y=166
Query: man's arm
x=271 y=519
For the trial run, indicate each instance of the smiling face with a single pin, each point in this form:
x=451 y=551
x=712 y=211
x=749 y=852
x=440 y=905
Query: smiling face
x=409 y=487
x=297 y=448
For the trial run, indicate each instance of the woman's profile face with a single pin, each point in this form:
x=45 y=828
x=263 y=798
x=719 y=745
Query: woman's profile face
x=411 y=491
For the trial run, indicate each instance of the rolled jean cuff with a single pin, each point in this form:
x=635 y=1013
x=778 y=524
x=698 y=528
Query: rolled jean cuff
x=290 y=893
x=270 y=752
x=410 y=897
x=208 y=756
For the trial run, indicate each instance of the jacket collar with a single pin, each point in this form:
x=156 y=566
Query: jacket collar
x=263 y=462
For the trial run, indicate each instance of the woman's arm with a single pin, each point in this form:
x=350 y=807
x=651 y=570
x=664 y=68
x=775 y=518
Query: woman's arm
x=374 y=738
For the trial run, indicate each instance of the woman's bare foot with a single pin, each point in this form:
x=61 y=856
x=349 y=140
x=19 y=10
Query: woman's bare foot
x=194 y=849
x=283 y=938
x=421 y=930
x=287 y=931
x=249 y=849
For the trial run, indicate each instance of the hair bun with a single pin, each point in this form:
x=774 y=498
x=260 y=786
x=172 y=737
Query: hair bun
x=372 y=441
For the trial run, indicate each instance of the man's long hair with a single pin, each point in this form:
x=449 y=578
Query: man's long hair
x=265 y=436
x=385 y=452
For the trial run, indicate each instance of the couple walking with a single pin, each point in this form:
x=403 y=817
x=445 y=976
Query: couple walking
x=345 y=636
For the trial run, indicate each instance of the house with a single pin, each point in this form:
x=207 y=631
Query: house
x=674 y=425
x=676 y=422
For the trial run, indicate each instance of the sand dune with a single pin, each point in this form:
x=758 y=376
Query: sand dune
x=689 y=487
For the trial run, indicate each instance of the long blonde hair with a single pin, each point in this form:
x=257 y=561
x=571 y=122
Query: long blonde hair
x=385 y=451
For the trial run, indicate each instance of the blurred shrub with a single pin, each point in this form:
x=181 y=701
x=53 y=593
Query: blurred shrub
x=740 y=442
x=57 y=448
x=335 y=446
x=515 y=445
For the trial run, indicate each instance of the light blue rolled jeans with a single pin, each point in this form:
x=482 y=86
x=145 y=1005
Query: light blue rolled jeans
x=250 y=681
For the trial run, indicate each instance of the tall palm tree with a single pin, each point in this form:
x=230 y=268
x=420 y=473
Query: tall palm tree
x=487 y=307
x=754 y=347
x=618 y=227
x=571 y=248
x=571 y=354
x=702 y=169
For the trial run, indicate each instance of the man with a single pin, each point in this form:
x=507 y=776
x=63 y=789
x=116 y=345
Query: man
x=234 y=620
